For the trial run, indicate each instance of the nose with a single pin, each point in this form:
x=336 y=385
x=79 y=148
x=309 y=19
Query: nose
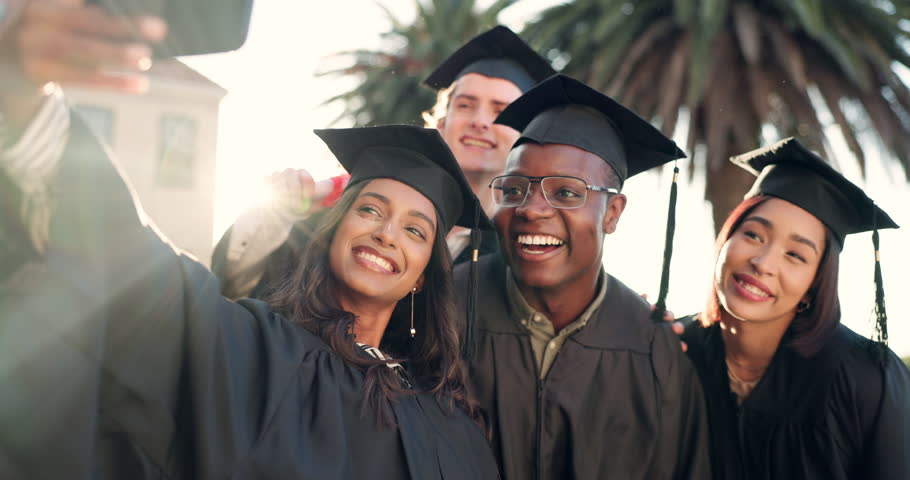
x=482 y=119
x=385 y=234
x=536 y=206
x=762 y=262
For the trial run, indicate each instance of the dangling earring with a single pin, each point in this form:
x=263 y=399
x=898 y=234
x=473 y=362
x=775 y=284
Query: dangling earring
x=413 y=332
x=802 y=307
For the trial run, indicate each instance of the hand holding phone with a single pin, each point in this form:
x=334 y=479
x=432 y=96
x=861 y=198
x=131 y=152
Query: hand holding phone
x=68 y=41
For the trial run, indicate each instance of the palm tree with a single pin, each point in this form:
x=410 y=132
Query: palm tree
x=738 y=68
x=390 y=90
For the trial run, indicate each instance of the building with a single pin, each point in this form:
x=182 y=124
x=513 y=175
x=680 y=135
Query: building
x=165 y=141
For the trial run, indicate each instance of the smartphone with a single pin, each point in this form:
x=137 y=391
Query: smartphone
x=194 y=26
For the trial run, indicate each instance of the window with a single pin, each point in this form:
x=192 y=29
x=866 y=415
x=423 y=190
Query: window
x=100 y=120
x=177 y=147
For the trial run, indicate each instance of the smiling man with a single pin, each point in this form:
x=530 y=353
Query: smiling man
x=474 y=85
x=577 y=381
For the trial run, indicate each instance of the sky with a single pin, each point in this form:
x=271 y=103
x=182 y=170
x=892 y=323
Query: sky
x=274 y=103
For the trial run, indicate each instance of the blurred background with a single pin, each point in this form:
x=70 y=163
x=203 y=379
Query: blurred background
x=721 y=76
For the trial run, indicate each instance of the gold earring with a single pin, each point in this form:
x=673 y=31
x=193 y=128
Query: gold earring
x=413 y=332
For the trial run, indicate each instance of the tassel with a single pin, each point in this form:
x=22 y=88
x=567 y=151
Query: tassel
x=661 y=306
x=469 y=343
x=881 y=317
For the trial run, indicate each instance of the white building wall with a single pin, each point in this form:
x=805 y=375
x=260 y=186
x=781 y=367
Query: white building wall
x=184 y=213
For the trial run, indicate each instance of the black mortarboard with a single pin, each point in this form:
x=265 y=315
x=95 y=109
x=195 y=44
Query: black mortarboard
x=565 y=111
x=415 y=156
x=420 y=158
x=498 y=53
x=790 y=171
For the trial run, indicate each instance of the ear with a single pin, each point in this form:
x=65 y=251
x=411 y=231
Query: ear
x=615 y=207
x=420 y=283
x=441 y=125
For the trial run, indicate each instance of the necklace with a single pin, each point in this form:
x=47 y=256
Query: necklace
x=760 y=370
x=741 y=388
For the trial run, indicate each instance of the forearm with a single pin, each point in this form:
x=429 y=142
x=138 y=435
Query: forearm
x=255 y=235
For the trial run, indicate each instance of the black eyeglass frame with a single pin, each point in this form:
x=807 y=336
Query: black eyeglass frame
x=532 y=180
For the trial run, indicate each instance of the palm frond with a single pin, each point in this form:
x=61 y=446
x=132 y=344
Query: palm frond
x=747 y=65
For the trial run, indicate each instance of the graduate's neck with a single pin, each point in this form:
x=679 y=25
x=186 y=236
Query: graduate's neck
x=562 y=305
x=750 y=346
x=372 y=318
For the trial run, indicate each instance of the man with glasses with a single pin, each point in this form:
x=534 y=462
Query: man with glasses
x=577 y=381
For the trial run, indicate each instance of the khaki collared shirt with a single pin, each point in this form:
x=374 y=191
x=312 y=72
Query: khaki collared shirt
x=544 y=340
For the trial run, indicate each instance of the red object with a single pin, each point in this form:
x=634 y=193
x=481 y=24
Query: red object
x=338 y=184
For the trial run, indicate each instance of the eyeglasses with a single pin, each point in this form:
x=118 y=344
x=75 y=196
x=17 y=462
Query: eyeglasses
x=559 y=191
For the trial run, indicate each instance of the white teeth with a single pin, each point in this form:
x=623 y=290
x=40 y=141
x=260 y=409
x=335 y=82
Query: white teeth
x=381 y=262
x=476 y=143
x=752 y=289
x=539 y=240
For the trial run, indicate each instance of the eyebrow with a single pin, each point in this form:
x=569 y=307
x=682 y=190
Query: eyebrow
x=795 y=237
x=473 y=98
x=465 y=96
x=414 y=213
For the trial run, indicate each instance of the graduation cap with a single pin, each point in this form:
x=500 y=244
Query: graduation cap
x=498 y=53
x=419 y=158
x=789 y=171
x=565 y=111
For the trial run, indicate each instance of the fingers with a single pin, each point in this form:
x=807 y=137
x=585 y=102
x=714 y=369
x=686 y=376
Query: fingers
x=43 y=71
x=292 y=189
x=94 y=21
x=678 y=327
x=64 y=41
x=75 y=50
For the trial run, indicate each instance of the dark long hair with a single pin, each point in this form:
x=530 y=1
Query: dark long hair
x=810 y=329
x=432 y=358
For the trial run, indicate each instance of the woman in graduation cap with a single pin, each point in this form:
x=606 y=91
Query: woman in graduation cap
x=791 y=392
x=130 y=364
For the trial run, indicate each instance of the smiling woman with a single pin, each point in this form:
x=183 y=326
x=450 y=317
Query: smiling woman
x=383 y=241
x=353 y=371
x=792 y=393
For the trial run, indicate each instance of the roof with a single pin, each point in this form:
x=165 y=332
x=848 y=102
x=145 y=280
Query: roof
x=176 y=70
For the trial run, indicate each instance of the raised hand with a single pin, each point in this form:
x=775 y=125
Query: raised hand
x=70 y=42
x=292 y=190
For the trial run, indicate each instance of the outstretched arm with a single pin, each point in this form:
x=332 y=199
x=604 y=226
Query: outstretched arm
x=107 y=332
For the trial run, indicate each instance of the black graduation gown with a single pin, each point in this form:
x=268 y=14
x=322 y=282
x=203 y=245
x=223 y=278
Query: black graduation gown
x=620 y=401
x=838 y=415
x=284 y=260
x=120 y=359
